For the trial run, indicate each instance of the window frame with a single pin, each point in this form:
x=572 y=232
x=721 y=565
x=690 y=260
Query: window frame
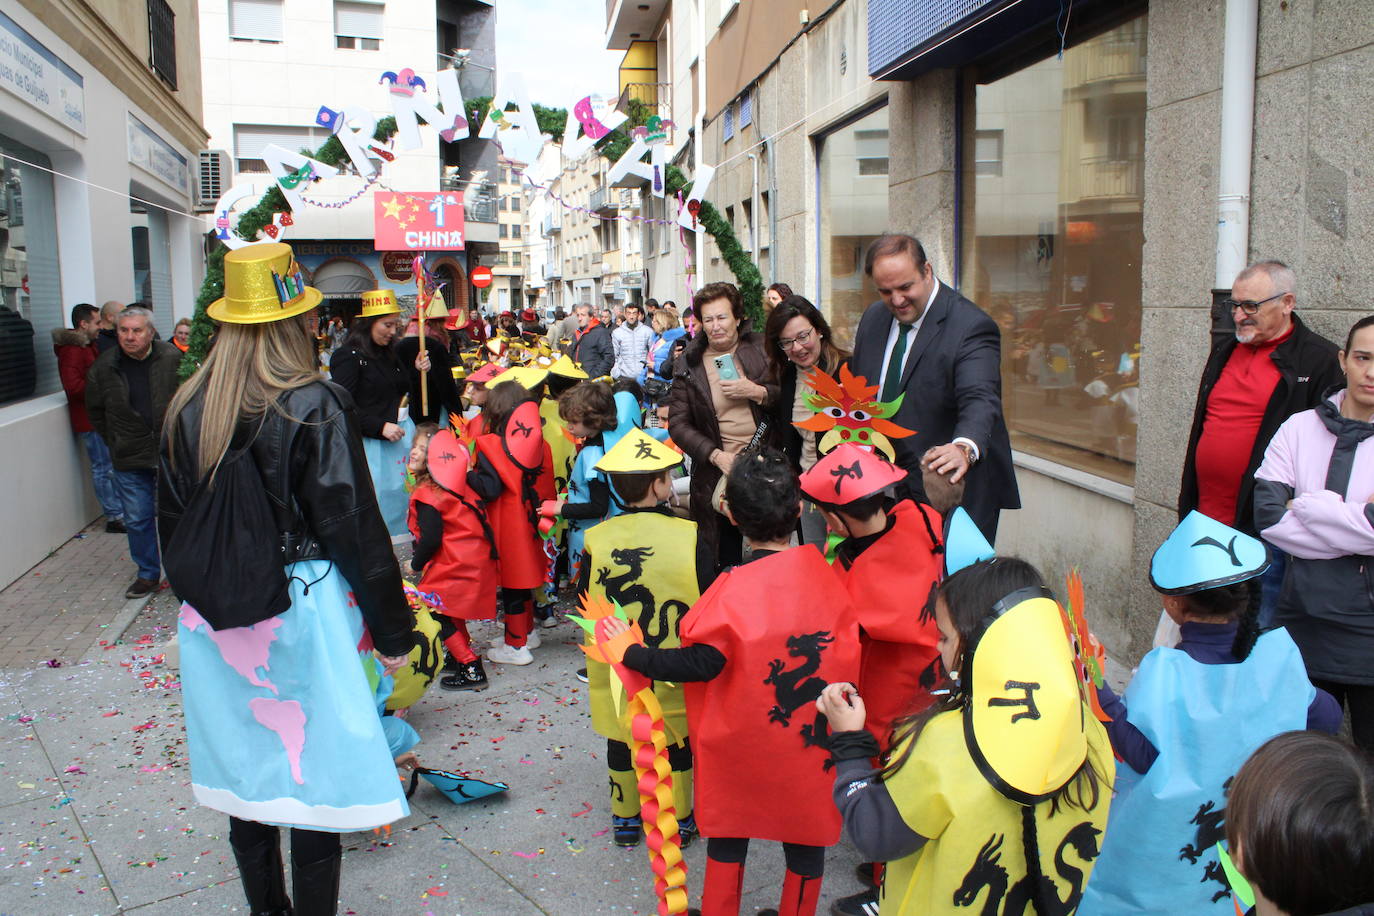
x=162 y=54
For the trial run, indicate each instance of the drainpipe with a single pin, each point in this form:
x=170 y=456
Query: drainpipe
x=754 y=211
x=699 y=119
x=772 y=213
x=1237 y=146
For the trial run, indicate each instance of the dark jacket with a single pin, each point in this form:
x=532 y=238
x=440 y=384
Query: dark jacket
x=106 y=339
x=788 y=437
x=593 y=351
x=377 y=385
x=317 y=481
x=131 y=440
x=1307 y=368
x=693 y=425
x=18 y=362
x=953 y=385
x=75 y=356
x=443 y=393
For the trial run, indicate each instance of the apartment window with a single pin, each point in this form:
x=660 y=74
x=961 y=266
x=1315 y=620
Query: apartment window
x=870 y=151
x=515 y=203
x=515 y=258
x=251 y=139
x=503 y=231
x=872 y=165
x=162 y=41
x=255 y=20
x=764 y=237
x=746 y=109
x=729 y=116
x=987 y=152
x=358 y=25
x=515 y=230
x=747 y=208
x=1054 y=247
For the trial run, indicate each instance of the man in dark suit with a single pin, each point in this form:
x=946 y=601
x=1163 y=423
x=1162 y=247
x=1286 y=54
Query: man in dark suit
x=927 y=341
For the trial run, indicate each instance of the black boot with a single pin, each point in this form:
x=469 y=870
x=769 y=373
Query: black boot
x=316 y=885
x=260 y=871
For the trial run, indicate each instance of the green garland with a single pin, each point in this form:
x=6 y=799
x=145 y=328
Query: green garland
x=250 y=223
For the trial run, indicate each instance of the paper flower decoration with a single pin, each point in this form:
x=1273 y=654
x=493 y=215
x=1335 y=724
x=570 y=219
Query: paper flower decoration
x=848 y=411
x=1089 y=655
x=648 y=752
x=403 y=83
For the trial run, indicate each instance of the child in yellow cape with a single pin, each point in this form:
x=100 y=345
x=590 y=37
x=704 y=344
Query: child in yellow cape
x=995 y=799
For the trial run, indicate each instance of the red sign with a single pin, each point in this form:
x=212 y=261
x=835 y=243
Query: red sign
x=481 y=277
x=396 y=265
x=417 y=221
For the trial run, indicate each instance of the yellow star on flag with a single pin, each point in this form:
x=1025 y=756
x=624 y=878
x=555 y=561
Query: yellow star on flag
x=392 y=208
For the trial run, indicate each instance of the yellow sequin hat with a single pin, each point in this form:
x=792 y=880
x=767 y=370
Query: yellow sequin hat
x=263 y=283
x=379 y=302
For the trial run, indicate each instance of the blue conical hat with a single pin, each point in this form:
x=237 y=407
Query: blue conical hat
x=1203 y=553
x=964 y=543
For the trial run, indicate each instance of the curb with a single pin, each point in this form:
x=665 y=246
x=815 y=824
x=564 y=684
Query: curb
x=123 y=618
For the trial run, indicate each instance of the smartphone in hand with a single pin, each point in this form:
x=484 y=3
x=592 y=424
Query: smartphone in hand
x=725 y=366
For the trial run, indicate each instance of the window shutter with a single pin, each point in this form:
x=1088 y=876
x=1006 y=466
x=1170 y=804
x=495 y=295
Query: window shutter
x=746 y=109
x=251 y=139
x=357 y=19
x=257 y=20
x=729 y=121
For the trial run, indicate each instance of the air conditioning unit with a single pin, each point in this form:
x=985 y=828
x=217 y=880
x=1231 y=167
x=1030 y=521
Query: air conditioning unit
x=213 y=178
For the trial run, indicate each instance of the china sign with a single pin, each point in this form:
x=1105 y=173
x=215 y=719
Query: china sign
x=418 y=220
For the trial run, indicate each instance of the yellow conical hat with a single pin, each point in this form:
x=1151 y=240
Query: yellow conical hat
x=530 y=377
x=637 y=452
x=379 y=302
x=565 y=367
x=263 y=283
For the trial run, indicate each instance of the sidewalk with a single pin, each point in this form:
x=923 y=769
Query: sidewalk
x=97 y=817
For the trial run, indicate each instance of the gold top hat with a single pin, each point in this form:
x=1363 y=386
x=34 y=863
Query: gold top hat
x=379 y=302
x=263 y=283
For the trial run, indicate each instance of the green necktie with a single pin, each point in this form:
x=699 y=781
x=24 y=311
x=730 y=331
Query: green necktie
x=892 y=382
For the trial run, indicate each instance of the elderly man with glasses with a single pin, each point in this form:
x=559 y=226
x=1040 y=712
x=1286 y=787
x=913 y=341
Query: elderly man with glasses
x=1273 y=367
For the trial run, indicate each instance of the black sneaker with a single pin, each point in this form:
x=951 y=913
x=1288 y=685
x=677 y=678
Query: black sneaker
x=864 y=903
x=582 y=675
x=627 y=830
x=141 y=588
x=687 y=831
x=116 y=526
x=471 y=676
x=864 y=872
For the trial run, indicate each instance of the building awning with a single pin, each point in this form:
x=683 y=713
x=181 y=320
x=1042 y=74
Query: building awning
x=343 y=278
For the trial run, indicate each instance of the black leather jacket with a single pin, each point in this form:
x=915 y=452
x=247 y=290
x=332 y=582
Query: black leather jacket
x=317 y=481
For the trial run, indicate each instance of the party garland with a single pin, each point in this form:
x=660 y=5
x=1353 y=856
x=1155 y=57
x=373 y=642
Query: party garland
x=252 y=222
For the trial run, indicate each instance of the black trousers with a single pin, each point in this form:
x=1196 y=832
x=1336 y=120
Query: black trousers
x=1359 y=700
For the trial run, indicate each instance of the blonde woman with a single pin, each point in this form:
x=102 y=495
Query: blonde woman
x=281 y=722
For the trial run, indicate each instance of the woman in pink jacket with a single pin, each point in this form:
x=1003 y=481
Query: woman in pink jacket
x=1314 y=499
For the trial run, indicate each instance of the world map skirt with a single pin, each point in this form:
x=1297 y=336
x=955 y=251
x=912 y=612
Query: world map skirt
x=387 y=463
x=281 y=717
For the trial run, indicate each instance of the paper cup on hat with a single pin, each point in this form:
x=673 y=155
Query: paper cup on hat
x=377 y=302
x=263 y=283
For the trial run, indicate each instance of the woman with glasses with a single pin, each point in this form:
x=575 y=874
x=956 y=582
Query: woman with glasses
x=719 y=403
x=798 y=341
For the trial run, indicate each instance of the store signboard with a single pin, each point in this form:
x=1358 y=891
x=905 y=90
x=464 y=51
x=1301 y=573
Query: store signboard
x=38 y=76
x=155 y=155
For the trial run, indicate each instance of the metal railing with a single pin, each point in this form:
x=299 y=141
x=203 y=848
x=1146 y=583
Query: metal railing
x=1103 y=176
x=479 y=198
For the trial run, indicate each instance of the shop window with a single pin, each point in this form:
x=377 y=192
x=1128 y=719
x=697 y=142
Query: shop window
x=358 y=25
x=30 y=279
x=851 y=213
x=162 y=41
x=1052 y=247
x=255 y=20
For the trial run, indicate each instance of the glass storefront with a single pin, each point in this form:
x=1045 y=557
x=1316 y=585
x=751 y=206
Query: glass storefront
x=30 y=281
x=1054 y=180
x=852 y=211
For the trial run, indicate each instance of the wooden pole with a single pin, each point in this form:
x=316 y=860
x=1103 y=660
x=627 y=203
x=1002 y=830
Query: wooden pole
x=424 y=373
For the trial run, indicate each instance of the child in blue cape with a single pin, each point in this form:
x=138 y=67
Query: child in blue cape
x=1189 y=720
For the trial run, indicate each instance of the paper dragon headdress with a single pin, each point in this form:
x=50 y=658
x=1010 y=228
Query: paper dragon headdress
x=848 y=411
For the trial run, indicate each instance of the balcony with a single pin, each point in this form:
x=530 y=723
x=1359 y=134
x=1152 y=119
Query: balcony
x=553 y=222
x=1117 y=56
x=479 y=199
x=553 y=270
x=632 y=20
x=604 y=202
x=1106 y=178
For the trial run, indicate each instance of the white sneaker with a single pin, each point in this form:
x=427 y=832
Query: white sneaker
x=549 y=622
x=532 y=641
x=510 y=655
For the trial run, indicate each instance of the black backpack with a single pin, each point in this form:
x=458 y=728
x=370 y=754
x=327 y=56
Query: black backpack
x=224 y=559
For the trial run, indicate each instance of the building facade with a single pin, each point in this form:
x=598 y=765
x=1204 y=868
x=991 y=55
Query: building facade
x=1068 y=182
x=508 y=271
x=100 y=129
x=267 y=57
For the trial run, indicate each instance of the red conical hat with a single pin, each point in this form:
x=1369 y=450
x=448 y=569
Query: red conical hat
x=448 y=461
x=848 y=473
x=524 y=436
x=485 y=374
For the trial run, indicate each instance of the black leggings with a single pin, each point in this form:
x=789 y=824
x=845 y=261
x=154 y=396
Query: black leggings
x=618 y=755
x=307 y=846
x=807 y=861
x=1359 y=699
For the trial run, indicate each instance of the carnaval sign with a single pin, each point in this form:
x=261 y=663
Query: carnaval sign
x=417 y=221
x=510 y=121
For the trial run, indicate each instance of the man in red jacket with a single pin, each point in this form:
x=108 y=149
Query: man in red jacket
x=76 y=350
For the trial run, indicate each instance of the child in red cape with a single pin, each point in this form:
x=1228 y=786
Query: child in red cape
x=756 y=651
x=455 y=556
x=513 y=475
